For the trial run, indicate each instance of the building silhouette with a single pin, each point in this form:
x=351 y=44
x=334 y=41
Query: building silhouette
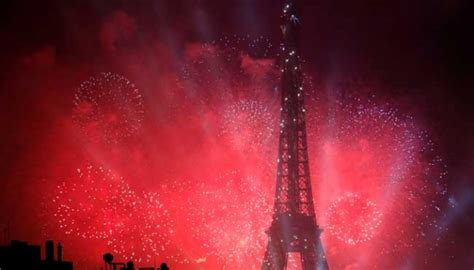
x=22 y=256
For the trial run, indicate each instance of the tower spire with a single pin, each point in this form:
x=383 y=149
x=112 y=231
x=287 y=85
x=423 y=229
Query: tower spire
x=294 y=227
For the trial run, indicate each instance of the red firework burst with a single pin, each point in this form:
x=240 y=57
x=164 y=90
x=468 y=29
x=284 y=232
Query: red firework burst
x=353 y=219
x=108 y=108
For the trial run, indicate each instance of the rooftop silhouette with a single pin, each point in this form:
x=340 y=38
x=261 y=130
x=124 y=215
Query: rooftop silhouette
x=21 y=256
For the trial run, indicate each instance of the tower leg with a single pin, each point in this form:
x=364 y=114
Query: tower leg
x=275 y=258
x=314 y=259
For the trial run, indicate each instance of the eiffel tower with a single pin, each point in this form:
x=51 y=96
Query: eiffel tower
x=294 y=228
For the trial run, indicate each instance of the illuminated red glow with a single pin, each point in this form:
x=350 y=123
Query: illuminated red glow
x=207 y=150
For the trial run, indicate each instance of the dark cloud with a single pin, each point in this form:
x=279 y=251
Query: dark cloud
x=117 y=28
x=43 y=58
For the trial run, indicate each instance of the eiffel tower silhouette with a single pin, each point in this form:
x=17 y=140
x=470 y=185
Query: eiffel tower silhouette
x=294 y=228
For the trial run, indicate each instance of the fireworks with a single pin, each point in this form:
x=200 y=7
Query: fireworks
x=249 y=123
x=378 y=156
x=108 y=108
x=96 y=204
x=353 y=219
x=234 y=228
x=363 y=147
x=232 y=82
x=227 y=216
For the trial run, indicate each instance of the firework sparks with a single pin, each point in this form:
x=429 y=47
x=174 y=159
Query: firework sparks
x=218 y=71
x=372 y=149
x=228 y=119
x=248 y=123
x=108 y=107
x=353 y=219
x=97 y=204
x=226 y=215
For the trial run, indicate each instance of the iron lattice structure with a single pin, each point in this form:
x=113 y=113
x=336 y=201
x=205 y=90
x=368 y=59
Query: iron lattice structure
x=294 y=227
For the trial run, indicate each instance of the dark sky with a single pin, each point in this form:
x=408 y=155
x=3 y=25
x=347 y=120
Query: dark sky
x=421 y=50
x=422 y=45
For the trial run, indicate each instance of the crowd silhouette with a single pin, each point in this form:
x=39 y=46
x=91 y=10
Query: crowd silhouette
x=110 y=264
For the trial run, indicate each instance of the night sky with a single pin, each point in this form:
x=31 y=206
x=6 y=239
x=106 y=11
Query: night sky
x=150 y=129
